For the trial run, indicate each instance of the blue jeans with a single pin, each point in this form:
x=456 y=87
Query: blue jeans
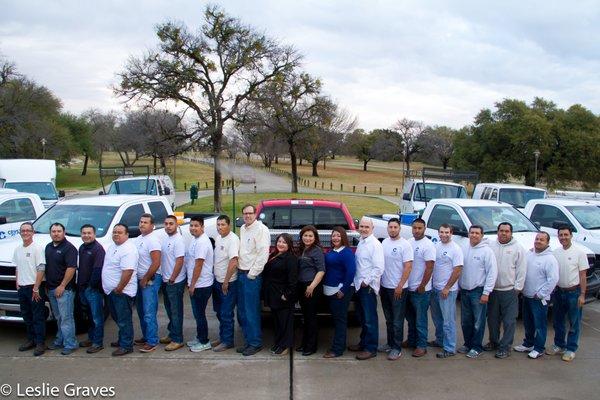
x=565 y=306
x=394 y=312
x=173 y=301
x=33 y=313
x=248 y=309
x=339 y=313
x=416 y=315
x=147 y=306
x=367 y=306
x=199 y=301
x=62 y=307
x=535 y=318
x=120 y=309
x=92 y=301
x=473 y=317
x=443 y=313
x=223 y=305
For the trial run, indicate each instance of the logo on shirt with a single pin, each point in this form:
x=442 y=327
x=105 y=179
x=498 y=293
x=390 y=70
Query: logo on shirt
x=89 y=253
x=445 y=253
x=29 y=255
x=395 y=250
x=477 y=258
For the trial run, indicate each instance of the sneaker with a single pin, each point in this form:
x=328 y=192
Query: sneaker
x=554 y=350
x=85 y=343
x=54 y=346
x=27 y=346
x=434 y=343
x=39 y=350
x=192 y=343
x=534 y=354
x=281 y=352
x=331 y=354
x=139 y=342
x=502 y=354
x=568 y=356
x=66 y=352
x=473 y=353
x=148 y=348
x=241 y=349
x=251 y=350
x=463 y=350
x=197 y=348
x=489 y=346
x=394 y=354
x=221 y=347
x=522 y=348
x=94 y=349
x=121 y=352
x=165 y=340
x=445 y=354
x=384 y=348
x=173 y=346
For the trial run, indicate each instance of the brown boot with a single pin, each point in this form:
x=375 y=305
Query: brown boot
x=419 y=352
x=355 y=347
x=365 y=355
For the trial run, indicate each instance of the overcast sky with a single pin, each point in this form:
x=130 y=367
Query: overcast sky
x=435 y=61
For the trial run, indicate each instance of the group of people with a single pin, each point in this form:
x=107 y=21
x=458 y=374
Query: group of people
x=409 y=276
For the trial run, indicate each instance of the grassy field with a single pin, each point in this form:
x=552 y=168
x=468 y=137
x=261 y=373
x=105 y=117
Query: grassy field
x=358 y=205
x=69 y=178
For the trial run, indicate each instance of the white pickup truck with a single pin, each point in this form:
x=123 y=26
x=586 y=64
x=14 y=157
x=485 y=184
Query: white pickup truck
x=416 y=193
x=16 y=208
x=462 y=213
x=31 y=176
x=103 y=212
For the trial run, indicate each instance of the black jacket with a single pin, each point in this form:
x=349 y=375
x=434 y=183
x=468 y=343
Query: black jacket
x=280 y=276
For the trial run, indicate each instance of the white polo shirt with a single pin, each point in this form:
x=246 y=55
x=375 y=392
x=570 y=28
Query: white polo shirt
x=396 y=253
x=172 y=247
x=146 y=244
x=27 y=259
x=570 y=262
x=423 y=250
x=118 y=259
x=226 y=248
x=200 y=248
x=447 y=257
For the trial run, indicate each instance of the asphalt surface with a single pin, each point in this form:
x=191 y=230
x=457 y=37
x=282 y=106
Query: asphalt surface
x=228 y=375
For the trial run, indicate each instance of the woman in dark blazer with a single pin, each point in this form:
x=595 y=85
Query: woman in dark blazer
x=280 y=276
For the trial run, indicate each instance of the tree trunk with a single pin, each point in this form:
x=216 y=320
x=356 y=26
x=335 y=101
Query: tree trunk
x=315 y=164
x=407 y=161
x=85 y=164
x=294 y=167
x=216 y=154
x=154 y=163
x=163 y=163
x=365 y=164
x=277 y=159
x=300 y=161
x=445 y=162
x=248 y=156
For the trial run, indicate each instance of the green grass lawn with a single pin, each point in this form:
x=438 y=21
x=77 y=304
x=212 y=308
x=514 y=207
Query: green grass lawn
x=358 y=205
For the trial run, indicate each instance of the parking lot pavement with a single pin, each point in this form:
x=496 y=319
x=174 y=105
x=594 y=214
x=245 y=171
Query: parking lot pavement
x=228 y=375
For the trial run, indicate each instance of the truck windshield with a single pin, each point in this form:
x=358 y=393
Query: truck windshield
x=74 y=216
x=45 y=190
x=490 y=217
x=588 y=216
x=520 y=197
x=133 y=186
x=438 y=191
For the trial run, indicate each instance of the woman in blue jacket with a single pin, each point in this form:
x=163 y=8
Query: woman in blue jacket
x=340 y=267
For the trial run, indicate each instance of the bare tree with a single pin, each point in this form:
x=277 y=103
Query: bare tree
x=409 y=132
x=437 y=143
x=211 y=72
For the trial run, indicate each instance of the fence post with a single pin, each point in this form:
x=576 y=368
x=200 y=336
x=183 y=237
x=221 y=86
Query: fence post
x=330 y=185
x=341 y=187
x=380 y=190
x=205 y=183
x=365 y=190
x=184 y=185
x=254 y=188
x=353 y=189
x=322 y=185
x=396 y=191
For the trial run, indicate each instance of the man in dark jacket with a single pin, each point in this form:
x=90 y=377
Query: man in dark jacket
x=89 y=284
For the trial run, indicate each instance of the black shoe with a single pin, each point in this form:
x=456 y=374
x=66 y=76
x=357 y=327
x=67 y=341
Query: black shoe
x=489 y=346
x=281 y=351
x=300 y=349
x=308 y=353
x=502 y=354
x=85 y=343
x=39 y=350
x=94 y=349
x=241 y=349
x=445 y=354
x=52 y=346
x=114 y=344
x=27 y=346
x=251 y=350
x=274 y=348
x=121 y=352
x=434 y=343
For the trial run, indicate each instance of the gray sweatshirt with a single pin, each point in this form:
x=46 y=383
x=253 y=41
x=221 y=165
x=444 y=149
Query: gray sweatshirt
x=480 y=268
x=512 y=265
x=542 y=274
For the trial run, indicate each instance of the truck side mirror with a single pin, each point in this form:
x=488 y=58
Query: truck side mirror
x=2 y=220
x=61 y=193
x=459 y=232
x=101 y=193
x=134 y=231
x=239 y=222
x=167 y=191
x=406 y=196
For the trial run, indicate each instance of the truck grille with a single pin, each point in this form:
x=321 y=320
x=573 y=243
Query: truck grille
x=594 y=262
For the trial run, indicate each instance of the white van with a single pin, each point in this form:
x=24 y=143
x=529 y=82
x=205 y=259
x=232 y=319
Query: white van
x=16 y=208
x=153 y=185
x=31 y=176
x=515 y=195
x=416 y=193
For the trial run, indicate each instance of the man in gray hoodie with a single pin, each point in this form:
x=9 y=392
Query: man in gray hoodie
x=503 y=307
x=476 y=282
x=540 y=281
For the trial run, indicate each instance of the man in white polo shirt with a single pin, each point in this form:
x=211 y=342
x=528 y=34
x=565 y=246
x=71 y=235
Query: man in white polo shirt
x=173 y=276
x=120 y=284
x=227 y=248
x=398 y=262
x=31 y=263
x=569 y=297
x=446 y=271
x=149 y=283
x=199 y=269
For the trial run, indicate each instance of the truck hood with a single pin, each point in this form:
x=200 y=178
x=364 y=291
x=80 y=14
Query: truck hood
x=590 y=239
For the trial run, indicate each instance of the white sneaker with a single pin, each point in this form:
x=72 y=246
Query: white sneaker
x=384 y=348
x=534 y=354
x=192 y=343
x=197 y=348
x=554 y=349
x=523 y=349
x=568 y=356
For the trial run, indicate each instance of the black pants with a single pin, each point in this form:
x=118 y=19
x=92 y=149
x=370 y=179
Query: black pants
x=284 y=327
x=33 y=313
x=310 y=329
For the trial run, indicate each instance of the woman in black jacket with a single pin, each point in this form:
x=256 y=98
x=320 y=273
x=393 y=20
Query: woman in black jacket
x=280 y=276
